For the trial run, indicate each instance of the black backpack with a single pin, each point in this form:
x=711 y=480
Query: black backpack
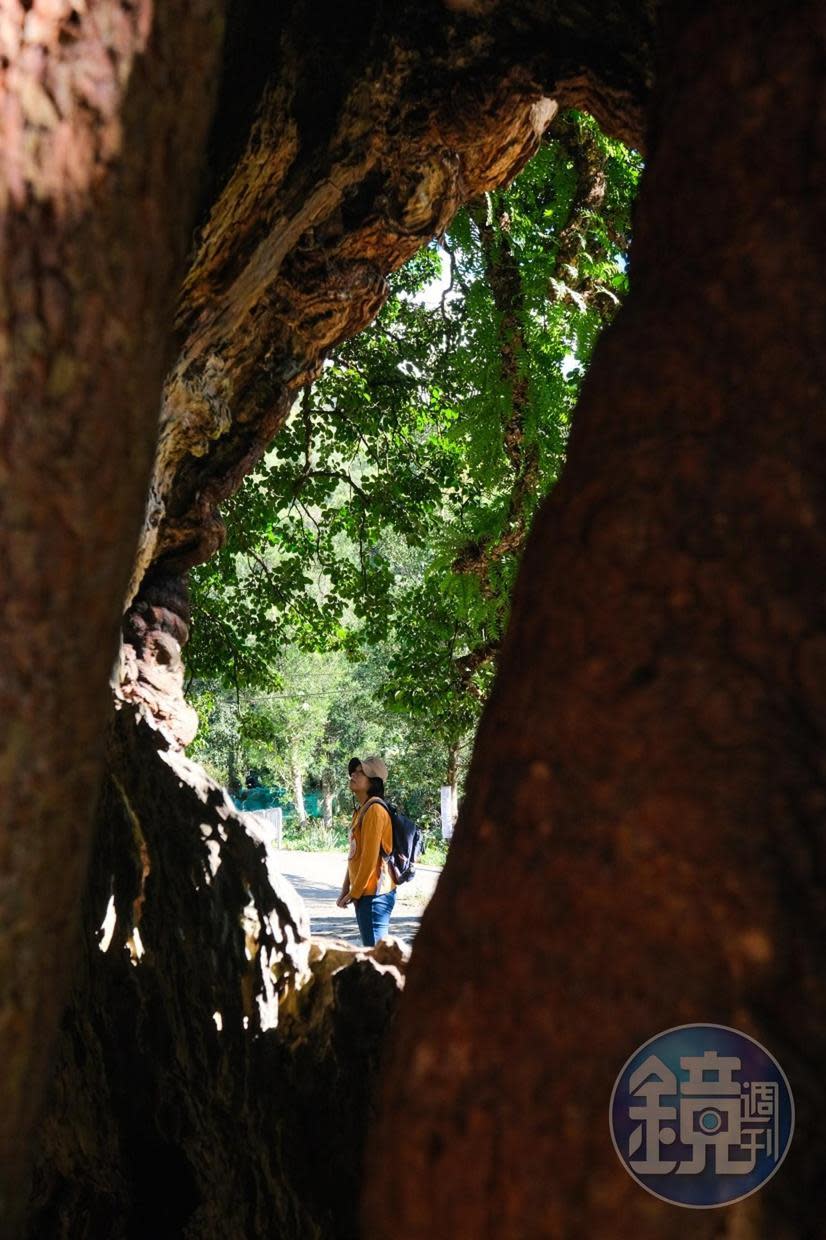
x=408 y=844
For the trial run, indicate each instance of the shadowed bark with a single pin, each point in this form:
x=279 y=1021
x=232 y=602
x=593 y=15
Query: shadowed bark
x=102 y=139
x=642 y=842
x=177 y=1108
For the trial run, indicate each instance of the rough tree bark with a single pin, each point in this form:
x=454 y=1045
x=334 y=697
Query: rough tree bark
x=101 y=147
x=373 y=128
x=668 y=721
x=642 y=843
x=177 y=1107
x=367 y=136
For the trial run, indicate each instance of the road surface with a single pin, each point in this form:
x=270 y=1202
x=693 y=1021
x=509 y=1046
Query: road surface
x=317 y=876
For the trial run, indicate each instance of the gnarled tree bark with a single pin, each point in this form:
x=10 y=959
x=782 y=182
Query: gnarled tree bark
x=215 y=1068
x=642 y=842
x=102 y=139
x=423 y=109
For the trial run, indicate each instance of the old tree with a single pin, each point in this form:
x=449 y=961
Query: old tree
x=653 y=854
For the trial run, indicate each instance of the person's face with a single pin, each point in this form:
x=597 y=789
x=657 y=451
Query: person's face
x=359 y=784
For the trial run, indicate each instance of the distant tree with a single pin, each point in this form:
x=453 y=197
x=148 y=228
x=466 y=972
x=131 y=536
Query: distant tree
x=326 y=710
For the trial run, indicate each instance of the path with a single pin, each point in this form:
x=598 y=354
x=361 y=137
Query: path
x=317 y=878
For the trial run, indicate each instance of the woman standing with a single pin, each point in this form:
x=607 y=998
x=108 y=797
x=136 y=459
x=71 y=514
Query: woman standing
x=368 y=883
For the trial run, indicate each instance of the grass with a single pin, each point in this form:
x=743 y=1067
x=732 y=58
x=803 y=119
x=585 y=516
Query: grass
x=315 y=837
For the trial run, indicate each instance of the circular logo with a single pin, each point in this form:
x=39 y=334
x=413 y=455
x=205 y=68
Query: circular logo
x=701 y=1116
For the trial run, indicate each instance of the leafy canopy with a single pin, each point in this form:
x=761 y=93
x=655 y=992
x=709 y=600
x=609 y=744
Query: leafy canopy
x=393 y=507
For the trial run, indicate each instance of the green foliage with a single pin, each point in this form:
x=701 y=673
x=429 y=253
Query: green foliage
x=326 y=711
x=388 y=520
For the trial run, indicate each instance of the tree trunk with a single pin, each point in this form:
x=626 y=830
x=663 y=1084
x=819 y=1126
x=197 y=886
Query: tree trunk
x=104 y=115
x=233 y=777
x=452 y=777
x=206 y=1035
x=452 y=772
x=369 y=137
x=298 y=795
x=649 y=777
x=327 y=800
x=358 y=153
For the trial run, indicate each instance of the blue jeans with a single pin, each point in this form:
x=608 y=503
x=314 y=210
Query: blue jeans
x=373 y=916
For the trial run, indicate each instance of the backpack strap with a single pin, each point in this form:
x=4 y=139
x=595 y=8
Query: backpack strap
x=370 y=801
x=383 y=856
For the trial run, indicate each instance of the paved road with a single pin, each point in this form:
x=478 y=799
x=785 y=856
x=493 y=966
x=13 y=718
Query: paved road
x=317 y=877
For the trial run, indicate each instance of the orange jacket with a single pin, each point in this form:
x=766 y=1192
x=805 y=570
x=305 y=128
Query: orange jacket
x=371 y=833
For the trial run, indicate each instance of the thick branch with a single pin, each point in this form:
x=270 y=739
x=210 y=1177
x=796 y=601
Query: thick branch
x=293 y=256
x=469 y=664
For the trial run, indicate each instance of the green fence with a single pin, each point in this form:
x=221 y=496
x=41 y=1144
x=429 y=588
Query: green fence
x=262 y=797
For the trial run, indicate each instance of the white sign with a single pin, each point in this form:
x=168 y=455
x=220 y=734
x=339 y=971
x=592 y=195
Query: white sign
x=449 y=810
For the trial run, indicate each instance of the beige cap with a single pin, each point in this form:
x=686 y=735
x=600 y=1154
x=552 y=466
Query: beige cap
x=374 y=767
